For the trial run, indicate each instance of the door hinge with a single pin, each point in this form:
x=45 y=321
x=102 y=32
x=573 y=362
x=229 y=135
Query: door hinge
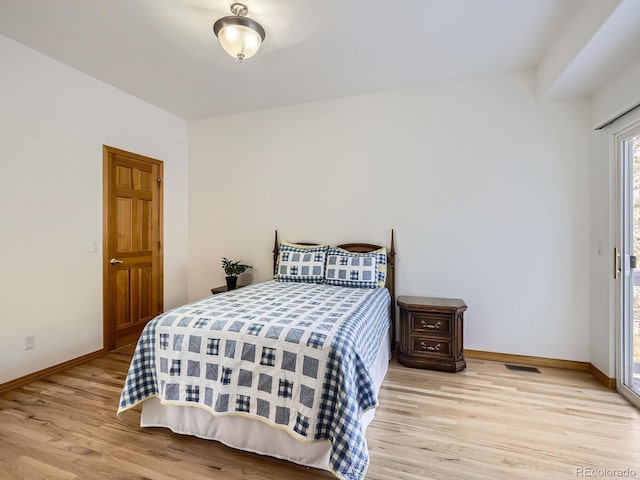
x=616 y=263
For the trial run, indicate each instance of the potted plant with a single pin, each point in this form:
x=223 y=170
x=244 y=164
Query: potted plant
x=232 y=270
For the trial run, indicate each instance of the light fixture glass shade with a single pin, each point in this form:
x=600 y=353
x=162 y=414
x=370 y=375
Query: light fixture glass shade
x=240 y=37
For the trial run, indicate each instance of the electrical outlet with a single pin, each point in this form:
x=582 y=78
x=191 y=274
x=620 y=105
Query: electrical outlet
x=29 y=342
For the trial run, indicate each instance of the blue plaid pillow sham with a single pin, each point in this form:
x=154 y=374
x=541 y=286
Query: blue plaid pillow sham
x=304 y=265
x=360 y=270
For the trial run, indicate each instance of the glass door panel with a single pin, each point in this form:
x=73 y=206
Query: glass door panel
x=629 y=351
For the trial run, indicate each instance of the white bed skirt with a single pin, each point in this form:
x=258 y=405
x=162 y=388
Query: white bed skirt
x=253 y=435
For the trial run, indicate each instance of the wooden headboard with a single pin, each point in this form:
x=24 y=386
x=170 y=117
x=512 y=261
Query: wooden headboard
x=364 y=248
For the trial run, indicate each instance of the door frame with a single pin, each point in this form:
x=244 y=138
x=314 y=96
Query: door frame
x=108 y=327
x=628 y=131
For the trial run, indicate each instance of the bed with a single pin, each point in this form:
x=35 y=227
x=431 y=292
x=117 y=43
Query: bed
x=289 y=368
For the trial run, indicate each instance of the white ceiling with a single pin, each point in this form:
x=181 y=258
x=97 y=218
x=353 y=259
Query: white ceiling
x=164 y=51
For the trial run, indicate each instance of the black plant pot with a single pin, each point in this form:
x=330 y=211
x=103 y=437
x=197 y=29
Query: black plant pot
x=232 y=282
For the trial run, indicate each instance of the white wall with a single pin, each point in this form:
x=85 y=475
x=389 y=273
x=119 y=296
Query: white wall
x=53 y=123
x=487 y=188
x=612 y=99
x=602 y=233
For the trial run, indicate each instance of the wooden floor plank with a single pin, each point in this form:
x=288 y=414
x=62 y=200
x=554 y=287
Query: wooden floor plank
x=483 y=423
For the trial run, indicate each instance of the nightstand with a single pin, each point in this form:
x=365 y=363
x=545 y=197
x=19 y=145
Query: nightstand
x=223 y=289
x=431 y=333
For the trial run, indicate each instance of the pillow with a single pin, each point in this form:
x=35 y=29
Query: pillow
x=301 y=263
x=381 y=256
x=360 y=270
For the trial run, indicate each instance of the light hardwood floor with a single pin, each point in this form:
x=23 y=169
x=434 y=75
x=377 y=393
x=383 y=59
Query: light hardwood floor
x=484 y=423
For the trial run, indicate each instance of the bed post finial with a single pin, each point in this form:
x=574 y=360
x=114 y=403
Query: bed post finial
x=392 y=250
x=275 y=253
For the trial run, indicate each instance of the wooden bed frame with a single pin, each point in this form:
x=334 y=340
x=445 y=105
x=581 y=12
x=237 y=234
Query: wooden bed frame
x=363 y=248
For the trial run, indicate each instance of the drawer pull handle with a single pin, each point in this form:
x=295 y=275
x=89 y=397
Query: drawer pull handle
x=429 y=325
x=431 y=348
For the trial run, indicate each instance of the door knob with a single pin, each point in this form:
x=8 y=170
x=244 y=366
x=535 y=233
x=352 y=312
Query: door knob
x=113 y=261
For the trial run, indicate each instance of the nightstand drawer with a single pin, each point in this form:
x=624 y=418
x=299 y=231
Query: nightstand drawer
x=431 y=347
x=431 y=322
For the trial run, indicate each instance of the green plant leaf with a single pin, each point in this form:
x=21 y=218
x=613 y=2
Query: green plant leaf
x=232 y=268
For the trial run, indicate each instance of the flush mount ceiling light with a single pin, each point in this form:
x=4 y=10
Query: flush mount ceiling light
x=239 y=36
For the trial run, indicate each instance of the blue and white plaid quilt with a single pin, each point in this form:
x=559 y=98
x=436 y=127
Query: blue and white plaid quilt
x=295 y=355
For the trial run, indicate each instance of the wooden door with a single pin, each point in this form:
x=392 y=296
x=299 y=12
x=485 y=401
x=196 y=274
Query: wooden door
x=132 y=237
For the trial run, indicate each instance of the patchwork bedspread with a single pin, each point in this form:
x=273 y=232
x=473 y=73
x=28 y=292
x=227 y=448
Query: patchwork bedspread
x=294 y=355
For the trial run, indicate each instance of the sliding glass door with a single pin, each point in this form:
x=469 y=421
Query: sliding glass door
x=628 y=365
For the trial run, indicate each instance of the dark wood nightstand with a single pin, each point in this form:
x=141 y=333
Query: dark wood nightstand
x=223 y=289
x=431 y=333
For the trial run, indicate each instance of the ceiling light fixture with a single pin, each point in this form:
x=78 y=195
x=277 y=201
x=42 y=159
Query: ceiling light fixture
x=239 y=36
